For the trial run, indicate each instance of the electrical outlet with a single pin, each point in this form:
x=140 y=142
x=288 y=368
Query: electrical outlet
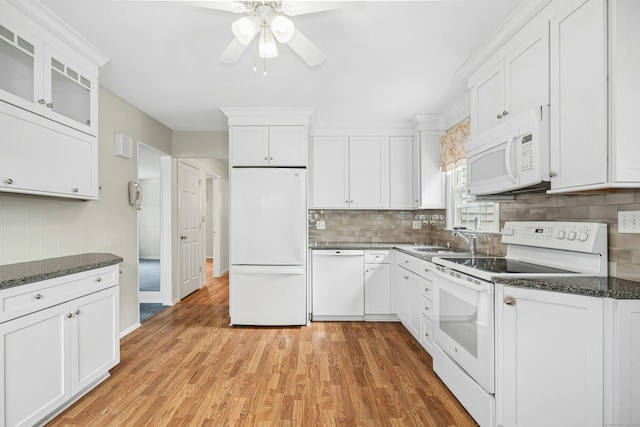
x=629 y=222
x=319 y=225
x=416 y=225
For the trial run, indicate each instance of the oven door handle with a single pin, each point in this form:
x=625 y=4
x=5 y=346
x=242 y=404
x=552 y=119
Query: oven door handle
x=473 y=283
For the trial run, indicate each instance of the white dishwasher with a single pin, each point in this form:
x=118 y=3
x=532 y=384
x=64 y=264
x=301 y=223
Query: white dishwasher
x=338 y=284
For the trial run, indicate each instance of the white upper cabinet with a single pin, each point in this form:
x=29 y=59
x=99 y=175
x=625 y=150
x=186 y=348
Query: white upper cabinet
x=401 y=173
x=269 y=146
x=595 y=62
x=49 y=105
x=350 y=172
x=430 y=175
x=517 y=83
x=54 y=82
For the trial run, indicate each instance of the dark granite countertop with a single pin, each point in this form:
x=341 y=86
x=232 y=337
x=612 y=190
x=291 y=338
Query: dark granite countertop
x=604 y=287
x=33 y=271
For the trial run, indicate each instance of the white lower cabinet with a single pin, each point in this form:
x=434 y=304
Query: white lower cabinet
x=53 y=355
x=550 y=368
x=377 y=283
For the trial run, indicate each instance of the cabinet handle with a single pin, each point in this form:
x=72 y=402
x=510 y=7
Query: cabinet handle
x=41 y=101
x=37 y=296
x=8 y=181
x=75 y=189
x=98 y=279
x=50 y=105
x=505 y=113
x=77 y=312
x=510 y=300
x=69 y=316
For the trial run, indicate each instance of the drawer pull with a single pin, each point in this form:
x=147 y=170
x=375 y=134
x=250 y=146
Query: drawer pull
x=427 y=289
x=69 y=316
x=99 y=279
x=426 y=334
x=509 y=300
x=8 y=181
x=37 y=296
x=426 y=307
x=406 y=277
x=76 y=312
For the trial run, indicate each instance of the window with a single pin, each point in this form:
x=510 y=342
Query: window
x=462 y=211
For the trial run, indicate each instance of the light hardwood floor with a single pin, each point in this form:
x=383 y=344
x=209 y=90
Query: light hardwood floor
x=187 y=367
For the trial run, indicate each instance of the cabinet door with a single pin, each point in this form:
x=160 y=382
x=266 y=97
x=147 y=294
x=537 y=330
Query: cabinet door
x=288 y=145
x=415 y=166
x=487 y=100
x=20 y=68
x=432 y=179
x=368 y=172
x=62 y=162
x=401 y=172
x=579 y=95
x=416 y=283
x=249 y=145
x=71 y=93
x=527 y=75
x=330 y=172
x=402 y=295
x=550 y=358
x=35 y=365
x=95 y=347
x=377 y=289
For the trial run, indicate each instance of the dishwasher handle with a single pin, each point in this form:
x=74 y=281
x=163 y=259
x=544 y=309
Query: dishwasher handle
x=338 y=252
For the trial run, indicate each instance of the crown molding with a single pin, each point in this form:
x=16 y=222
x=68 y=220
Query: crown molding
x=378 y=128
x=459 y=110
x=52 y=23
x=509 y=27
x=238 y=116
x=425 y=122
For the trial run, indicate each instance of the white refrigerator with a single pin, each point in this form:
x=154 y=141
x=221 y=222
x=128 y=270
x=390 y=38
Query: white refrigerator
x=268 y=246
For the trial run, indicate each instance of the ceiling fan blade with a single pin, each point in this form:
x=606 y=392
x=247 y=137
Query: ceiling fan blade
x=307 y=50
x=227 y=6
x=303 y=7
x=233 y=52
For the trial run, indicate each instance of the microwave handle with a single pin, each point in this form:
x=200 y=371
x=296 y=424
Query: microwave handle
x=507 y=159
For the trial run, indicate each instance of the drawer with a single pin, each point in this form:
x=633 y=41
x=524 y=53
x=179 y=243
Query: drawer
x=426 y=307
x=427 y=290
x=375 y=256
x=20 y=300
x=409 y=262
x=426 y=333
x=426 y=269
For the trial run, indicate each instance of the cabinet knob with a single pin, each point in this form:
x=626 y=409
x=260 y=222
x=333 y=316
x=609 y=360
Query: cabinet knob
x=426 y=307
x=406 y=277
x=505 y=113
x=8 y=181
x=69 y=315
x=50 y=105
x=98 y=279
x=37 y=296
x=510 y=300
x=426 y=334
x=499 y=116
x=552 y=174
x=266 y=158
x=350 y=201
x=41 y=101
x=75 y=189
x=426 y=289
x=270 y=158
x=76 y=312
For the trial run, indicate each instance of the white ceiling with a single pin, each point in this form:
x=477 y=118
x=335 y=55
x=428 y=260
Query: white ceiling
x=386 y=60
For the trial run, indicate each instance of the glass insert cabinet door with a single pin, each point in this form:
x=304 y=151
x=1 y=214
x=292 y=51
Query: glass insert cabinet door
x=70 y=91
x=20 y=69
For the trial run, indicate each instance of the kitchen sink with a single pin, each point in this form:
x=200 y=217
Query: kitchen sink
x=437 y=250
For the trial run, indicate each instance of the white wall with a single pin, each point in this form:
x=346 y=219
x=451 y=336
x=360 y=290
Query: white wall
x=34 y=227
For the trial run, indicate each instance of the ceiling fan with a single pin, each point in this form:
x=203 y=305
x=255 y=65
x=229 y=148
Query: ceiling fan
x=269 y=22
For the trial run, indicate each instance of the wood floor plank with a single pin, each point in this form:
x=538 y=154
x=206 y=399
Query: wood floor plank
x=187 y=367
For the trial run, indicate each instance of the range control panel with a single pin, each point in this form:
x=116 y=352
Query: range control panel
x=588 y=237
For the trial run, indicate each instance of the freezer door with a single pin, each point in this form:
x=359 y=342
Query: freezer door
x=268 y=216
x=267 y=296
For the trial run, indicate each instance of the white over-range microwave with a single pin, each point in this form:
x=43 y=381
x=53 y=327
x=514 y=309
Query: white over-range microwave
x=512 y=157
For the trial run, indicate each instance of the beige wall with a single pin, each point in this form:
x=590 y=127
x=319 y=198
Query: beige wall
x=33 y=228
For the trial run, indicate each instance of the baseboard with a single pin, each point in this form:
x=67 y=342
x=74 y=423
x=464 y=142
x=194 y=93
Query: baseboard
x=222 y=273
x=129 y=330
x=381 y=318
x=150 y=258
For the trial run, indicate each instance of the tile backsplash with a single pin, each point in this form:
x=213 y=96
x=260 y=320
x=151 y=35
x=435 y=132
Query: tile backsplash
x=396 y=226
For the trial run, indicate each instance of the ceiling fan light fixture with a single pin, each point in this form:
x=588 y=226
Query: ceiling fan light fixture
x=267 y=47
x=245 y=29
x=282 y=28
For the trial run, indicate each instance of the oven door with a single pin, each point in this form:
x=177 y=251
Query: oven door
x=464 y=323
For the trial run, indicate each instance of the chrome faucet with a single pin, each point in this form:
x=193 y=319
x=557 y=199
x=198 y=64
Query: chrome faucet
x=470 y=240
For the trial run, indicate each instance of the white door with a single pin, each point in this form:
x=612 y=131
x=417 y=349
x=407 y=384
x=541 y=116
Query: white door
x=189 y=222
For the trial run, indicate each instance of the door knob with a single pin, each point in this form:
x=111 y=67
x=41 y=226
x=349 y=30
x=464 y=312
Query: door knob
x=183 y=237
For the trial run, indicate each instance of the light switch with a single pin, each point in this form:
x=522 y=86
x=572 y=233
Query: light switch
x=416 y=225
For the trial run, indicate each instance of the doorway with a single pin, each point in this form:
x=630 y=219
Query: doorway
x=154 y=222
x=213 y=227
